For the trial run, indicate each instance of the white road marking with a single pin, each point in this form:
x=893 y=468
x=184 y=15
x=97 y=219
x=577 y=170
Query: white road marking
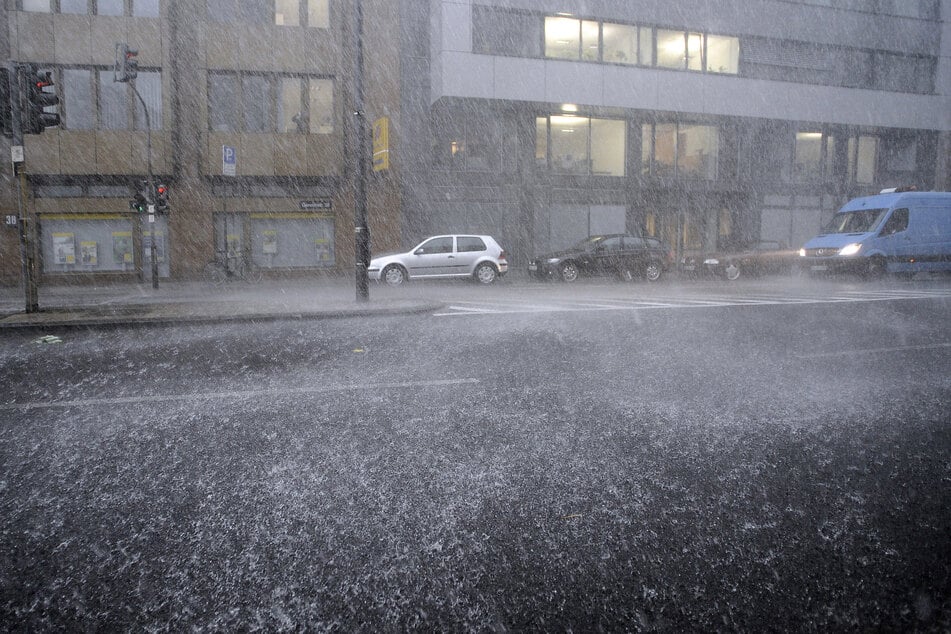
x=846 y=353
x=509 y=306
x=233 y=395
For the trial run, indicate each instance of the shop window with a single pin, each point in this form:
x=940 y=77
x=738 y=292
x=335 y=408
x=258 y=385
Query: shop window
x=541 y=141
x=665 y=149
x=471 y=143
x=608 y=146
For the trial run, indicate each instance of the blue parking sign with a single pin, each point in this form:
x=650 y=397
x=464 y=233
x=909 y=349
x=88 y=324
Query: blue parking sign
x=229 y=160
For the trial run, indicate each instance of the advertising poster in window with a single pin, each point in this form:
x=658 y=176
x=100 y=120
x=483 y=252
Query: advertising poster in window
x=323 y=249
x=122 y=247
x=269 y=242
x=64 y=248
x=89 y=253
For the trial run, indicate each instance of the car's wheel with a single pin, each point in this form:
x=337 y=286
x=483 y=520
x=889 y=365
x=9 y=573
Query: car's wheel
x=568 y=271
x=486 y=273
x=732 y=271
x=394 y=275
x=653 y=271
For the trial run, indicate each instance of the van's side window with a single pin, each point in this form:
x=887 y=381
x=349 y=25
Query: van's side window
x=897 y=223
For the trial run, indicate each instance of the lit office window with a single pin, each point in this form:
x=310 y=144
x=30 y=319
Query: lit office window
x=671 y=49
x=581 y=145
x=694 y=51
x=723 y=54
x=569 y=38
x=807 y=160
x=620 y=43
x=665 y=149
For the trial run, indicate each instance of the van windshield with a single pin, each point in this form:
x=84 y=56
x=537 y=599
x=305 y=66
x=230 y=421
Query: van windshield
x=855 y=221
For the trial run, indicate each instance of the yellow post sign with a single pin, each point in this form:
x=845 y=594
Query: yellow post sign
x=381 y=144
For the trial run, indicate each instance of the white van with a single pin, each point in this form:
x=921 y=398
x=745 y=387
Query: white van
x=896 y=231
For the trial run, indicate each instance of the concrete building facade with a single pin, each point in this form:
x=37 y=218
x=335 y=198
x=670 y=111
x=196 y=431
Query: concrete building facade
x=251 y=130
x=705 y=123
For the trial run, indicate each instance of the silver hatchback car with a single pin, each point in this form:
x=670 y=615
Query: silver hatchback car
x=478 y=257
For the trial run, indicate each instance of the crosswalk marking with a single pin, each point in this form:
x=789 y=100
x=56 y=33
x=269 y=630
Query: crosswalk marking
x=536 y=304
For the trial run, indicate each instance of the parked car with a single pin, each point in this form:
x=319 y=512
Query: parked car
x=449 y=256
x=623 y=255
x=766 y=257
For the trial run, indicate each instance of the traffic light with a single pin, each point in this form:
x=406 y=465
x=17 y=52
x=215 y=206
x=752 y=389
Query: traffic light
x=127 y=63
x=140 y=201
x=36 y=118
x=161 y=198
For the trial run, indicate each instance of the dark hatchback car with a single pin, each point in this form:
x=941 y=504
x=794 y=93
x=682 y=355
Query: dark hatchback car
x=622 y=255
x=766 y=257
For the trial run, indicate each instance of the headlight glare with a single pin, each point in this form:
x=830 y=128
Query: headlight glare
x=850 y=249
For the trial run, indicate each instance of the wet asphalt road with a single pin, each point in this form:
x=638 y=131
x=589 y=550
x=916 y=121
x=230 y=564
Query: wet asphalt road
x=765 y=467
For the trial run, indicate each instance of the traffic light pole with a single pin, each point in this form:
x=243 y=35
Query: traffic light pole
x=27 y=254
x=153 y=251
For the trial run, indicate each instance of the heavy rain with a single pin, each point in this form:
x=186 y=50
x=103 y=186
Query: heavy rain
x=363 y=315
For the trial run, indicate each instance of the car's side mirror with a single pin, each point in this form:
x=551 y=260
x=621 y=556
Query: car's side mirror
x=419 y=251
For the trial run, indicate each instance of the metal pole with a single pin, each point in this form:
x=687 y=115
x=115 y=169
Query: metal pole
x=149 y=188
x=362 y=232
x=27 y=253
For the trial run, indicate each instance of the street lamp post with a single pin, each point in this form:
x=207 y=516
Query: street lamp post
x=361 y=230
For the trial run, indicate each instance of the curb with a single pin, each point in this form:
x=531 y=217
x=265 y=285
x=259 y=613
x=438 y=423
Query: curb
x=131 y=316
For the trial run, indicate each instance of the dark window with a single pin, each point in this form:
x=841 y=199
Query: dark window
x=897 y=223
x=611 y=244
x=503 y=32
x=466 y=244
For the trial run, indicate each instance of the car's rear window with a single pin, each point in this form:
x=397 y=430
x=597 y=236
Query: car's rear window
x=469 y=243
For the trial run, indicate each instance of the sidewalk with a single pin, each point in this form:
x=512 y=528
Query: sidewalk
x=196 y=302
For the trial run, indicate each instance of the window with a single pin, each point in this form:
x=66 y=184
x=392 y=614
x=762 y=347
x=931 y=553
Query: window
x=670 y=149
x=671 y=49
x=581 y=145
x=863 y=153
x=570 y=38
x=504 y=32
x=311 y=13
x=472 y=142
x=137 y=8
x=77 y=105
x=807 y=160
x=270 y=103
x=436 y=245
x=620 y=43
x=149 y=85
x=469 y=244
x=113 y=102
x=723 y=54
x=896 y=223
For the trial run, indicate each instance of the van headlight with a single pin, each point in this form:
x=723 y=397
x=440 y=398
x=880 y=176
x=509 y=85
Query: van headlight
x=553 y=260
x=850 y=249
